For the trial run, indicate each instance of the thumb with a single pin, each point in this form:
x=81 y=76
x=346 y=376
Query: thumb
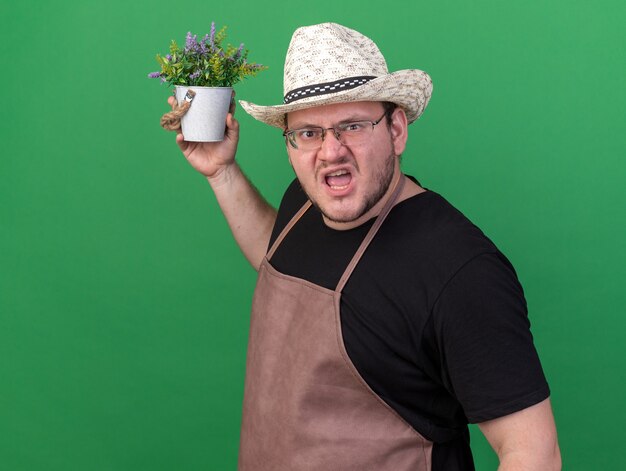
x=232 y=125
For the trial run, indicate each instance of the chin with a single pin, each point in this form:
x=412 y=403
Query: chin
x=341 y=215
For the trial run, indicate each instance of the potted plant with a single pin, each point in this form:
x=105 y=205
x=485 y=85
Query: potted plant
x=204 y=72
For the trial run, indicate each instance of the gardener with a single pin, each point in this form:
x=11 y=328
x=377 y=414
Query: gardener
x=383 y=321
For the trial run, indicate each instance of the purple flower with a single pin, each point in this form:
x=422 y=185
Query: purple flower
x=238 y=53
x=212 y=36
x=203 y=44
x=195 y=75
x=169 y=57
x=191 y=43
x=154 y=74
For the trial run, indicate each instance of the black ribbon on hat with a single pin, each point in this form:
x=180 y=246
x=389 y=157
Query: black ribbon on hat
x=326 y=88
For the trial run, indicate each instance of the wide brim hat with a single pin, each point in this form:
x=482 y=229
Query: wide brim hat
x=329 y=63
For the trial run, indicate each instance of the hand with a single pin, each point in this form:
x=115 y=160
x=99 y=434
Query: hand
x=211 y=158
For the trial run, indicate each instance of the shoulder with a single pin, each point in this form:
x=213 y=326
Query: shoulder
x=429 y=240
x=293 y=194
x=293 y=199
x=439 y=224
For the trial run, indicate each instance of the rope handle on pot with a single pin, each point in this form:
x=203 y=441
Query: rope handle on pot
x=171 y=121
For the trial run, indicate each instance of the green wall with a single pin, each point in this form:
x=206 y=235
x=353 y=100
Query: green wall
x=123 y=300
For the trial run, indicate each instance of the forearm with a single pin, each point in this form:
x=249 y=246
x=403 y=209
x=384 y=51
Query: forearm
x=520 y=461
x=249 y=216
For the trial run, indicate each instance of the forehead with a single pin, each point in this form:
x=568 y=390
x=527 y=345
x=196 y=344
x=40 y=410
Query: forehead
x=330 y=114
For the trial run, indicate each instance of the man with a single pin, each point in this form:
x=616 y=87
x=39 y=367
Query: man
x=383 y=320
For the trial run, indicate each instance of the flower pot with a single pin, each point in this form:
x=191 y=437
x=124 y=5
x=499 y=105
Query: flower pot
x=205 y=121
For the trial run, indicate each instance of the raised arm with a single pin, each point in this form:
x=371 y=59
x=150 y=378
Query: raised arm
x=249 y=216
x=525 y=440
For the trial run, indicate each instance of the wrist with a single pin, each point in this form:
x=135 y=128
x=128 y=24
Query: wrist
x=224 y=175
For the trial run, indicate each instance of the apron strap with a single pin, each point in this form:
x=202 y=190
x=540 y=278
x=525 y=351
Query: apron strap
x=287 y=228
x=372 y=232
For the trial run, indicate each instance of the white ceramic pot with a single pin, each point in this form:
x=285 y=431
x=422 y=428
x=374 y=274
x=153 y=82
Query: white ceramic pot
x=205 y=121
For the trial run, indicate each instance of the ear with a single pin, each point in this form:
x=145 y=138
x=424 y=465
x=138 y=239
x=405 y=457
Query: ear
x=399 y=130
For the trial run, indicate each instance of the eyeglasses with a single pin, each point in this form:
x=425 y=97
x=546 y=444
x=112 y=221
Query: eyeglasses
x=311 y=138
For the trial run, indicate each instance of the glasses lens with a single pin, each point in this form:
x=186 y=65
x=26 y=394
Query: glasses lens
x=308 y=138
x=354 y=133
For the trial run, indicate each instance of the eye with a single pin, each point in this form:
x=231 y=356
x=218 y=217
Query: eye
x=308 y=134
x=355 y=127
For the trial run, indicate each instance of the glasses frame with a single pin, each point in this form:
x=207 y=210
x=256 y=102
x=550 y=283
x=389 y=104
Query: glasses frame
x=288 y=134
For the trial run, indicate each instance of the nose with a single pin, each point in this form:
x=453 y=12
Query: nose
x=331 y=148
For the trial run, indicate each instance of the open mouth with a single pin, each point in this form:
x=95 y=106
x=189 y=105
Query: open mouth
x=339 y=180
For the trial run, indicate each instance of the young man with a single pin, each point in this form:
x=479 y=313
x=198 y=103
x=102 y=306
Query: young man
x=383 y=320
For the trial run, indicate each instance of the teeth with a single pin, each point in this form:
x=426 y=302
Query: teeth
x=337 y=173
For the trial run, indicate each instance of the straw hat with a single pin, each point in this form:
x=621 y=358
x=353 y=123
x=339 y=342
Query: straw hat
x=329 y=63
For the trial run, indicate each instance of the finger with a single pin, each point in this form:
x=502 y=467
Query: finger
x=231 y=109
x=231 y=123
x=180 y=140
x=232 y=127
x=172 y=102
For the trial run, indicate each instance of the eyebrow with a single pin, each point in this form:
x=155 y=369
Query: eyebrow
x=349 y=119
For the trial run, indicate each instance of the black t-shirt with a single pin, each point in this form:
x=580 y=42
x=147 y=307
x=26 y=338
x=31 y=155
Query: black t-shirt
x=433 y=316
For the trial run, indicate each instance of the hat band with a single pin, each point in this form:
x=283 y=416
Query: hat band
x=325 y=88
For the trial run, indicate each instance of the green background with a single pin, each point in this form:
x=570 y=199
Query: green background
x=124 y=301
